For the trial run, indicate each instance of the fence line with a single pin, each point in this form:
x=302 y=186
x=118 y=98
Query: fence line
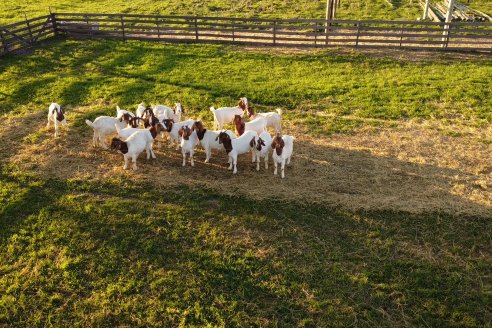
x=302 y=33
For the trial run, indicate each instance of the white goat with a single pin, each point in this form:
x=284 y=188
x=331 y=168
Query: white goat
x=120 y=112
x=238 y=146
x=263 y=144
x=282 y=152
x=140 y=109
x=208 y=139
x=173 y=129
x=56 y=115
x=132 y=147
x=189 y=140
x=153 y=132
x=274 y=119
x=164 y=112
x=258 y=125
x=225 y=115
x=103 y=126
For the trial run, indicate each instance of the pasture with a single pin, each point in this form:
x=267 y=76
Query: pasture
x=12 y=11
x=383 y=219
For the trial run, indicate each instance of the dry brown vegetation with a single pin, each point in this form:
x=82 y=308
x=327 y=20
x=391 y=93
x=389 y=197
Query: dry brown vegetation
x=415 y=167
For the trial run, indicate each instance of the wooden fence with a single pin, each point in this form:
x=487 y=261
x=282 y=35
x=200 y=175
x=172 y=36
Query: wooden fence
x=317 y=33
x=18 y=37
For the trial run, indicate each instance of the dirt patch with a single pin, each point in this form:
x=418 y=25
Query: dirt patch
x=409 y=168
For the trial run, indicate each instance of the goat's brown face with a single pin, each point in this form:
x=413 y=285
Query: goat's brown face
x=278 y=144
x=242 y=104
x=197 y=126
x=237 y=119
x=60 y=115
x=115 y=144
x=260 y=144
x=168 y=124
x=222 y=137
x=251 y=112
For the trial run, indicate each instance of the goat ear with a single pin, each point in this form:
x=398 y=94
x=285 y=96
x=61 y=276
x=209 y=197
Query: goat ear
x=180 y=132
x=252 y=143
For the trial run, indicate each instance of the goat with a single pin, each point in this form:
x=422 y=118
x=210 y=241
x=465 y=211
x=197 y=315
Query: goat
x=132 y=147
x=274 y=119
x=208 y=139
x=262 y=146
x=57 y=115
x=166 y=113
x=140 y=109
x=225 y=115
x=238 y=146
x=282 y=151
x=105 y=125
x=148 y=117
x=258 y=125
x=153 y=131
x=188 y=141
x=173 y=129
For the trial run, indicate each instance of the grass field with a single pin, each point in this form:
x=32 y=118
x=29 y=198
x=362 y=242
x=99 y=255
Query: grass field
x=13 y=11
x=384 y=218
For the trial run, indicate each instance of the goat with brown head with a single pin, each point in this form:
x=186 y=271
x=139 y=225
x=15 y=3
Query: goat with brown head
x=117 y=144
x=278 y=144
x=199 y=129
x=240 y=125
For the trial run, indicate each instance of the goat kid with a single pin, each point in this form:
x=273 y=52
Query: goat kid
x=56 y=115
x=238 y=146
x=188 y=141
x=225 y=115
x=173 y=129
x=258 y=125
x=153 y=132
x=132 y=147
x=208 y=139
x=282 y=152
x=105 y=125
x=263 y=144
x=274 y=119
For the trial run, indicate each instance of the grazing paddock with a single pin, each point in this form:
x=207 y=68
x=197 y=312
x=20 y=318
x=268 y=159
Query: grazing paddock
x=383 y=218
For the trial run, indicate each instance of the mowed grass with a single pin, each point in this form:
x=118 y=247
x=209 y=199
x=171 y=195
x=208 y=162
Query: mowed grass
x=13 y=11
x=116 y=253
x=324 y=91
x=111 y=254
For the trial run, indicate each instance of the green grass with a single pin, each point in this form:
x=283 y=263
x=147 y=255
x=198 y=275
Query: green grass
x=112 y=253
x=326 y=91
x=13 y=11
x=75 y=253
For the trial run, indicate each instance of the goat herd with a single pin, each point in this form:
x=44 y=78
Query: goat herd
x=251 y=136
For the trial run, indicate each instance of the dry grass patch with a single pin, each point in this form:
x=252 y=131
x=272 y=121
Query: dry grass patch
x=410 y=168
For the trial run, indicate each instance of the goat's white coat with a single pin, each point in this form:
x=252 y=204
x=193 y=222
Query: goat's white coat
x=263 y=153
x=274 y=119
x=54 y=107
x=240 y=145
x=164 y=112
x=284 y=158
x=258 y=125
x=103 y=126
x=174 y=133
x=128 y=131
x=209 y=142
x=188 y=146
x=137 y=143
x=225 y=115
x=120 y=112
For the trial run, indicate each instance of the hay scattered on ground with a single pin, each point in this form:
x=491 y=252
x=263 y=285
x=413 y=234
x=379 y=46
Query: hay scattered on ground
x=410 y=168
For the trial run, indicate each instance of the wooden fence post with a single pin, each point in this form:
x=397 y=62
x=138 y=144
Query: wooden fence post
x=358 y=34
x=53 y=22
x=29 y=29
x=158 y=28
x=196 y=28
x=122 y=27
x=315 y=33
x=233 y=36
x=401 y=34
x=4 y=42
x=274 y=31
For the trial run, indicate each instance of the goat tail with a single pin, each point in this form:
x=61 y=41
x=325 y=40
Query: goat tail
x=279 y=111
x=212 y=109
x=89 y=123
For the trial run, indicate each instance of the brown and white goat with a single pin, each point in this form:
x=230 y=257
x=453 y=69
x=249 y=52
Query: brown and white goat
x=56 y=114
x=282 y=152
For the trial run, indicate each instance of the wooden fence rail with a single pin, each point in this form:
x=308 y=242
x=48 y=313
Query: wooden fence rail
x=303 y=33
